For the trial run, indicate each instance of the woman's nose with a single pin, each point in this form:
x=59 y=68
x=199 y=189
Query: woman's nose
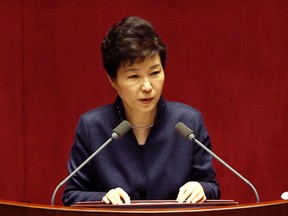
x=146 y=86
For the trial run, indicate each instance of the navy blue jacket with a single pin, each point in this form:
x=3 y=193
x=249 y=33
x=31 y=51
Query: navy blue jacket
x=166 y=162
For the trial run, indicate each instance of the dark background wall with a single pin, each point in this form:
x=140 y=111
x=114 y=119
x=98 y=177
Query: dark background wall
x=225 y=58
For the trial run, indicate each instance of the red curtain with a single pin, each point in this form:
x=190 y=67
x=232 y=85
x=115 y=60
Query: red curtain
x=226 y=58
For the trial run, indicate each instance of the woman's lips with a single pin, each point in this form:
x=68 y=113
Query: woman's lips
x=146 y=100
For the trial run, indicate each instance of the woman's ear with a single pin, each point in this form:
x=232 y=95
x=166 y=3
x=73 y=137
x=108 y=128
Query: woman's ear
x=111 y=81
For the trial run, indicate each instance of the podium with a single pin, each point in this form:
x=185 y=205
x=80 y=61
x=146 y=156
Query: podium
x=277 y=207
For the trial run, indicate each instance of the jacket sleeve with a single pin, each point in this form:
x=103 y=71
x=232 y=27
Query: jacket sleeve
x=81 y=187
x=203 y=170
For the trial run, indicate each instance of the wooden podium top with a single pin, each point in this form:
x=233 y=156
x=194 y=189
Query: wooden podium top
x=156 y=204
x=170 y=208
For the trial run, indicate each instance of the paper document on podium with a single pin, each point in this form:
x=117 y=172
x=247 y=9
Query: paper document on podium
x=156 y=204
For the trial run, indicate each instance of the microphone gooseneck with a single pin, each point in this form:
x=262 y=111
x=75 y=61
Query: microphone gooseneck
x=187 y=133
x=117 y=133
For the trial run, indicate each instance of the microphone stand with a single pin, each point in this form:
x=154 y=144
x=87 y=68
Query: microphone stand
x=114 y=136
x=192 y=137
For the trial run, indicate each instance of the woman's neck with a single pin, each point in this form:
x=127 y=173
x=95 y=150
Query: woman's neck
x=141 y=124
x=140 y=120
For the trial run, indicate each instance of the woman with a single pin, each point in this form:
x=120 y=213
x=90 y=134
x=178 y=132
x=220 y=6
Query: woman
x=151 y=161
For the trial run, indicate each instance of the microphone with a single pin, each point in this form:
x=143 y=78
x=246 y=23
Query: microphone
x=117 y=133
x=187 y=133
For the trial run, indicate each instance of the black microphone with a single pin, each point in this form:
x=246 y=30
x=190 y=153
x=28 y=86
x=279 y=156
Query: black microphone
x=117 y=133
x=187 y=133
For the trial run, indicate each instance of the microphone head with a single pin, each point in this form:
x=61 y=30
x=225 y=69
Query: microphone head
x=121 y=129
x=185 y=131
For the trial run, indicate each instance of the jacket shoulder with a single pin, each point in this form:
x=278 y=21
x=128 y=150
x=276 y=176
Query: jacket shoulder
x=101 y=112
x=181 y=107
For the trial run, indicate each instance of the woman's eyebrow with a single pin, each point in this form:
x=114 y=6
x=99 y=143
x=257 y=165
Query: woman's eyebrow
x=137 y=69
x=131 y=70
x=155 y=66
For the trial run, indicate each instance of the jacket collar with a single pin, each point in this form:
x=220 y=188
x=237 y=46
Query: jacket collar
x=120 y=111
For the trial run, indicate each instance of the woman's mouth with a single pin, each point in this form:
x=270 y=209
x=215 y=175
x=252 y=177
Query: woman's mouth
x=146 y=100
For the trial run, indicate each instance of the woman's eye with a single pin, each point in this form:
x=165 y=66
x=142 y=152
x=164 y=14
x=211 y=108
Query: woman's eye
x=133 y=77
x=155 y=72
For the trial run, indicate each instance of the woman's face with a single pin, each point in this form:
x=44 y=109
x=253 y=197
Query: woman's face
x=140 y=85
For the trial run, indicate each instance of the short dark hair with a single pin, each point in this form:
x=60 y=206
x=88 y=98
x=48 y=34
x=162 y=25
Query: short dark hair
x=130 y=40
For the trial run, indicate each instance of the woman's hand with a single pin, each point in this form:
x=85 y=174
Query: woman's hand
x=116 y=197
x=191 y=192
